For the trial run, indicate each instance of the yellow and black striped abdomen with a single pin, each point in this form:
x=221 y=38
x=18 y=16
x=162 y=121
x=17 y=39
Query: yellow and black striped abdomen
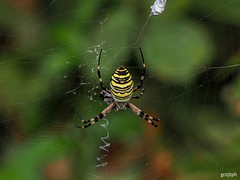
x=121 y=85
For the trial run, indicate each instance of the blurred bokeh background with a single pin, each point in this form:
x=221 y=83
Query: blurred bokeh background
x=48 y=60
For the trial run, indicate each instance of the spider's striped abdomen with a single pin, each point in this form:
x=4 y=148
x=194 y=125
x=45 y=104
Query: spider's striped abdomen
x=121 y=85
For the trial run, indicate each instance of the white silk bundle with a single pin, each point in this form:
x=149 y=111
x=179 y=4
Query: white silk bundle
x=158 y=7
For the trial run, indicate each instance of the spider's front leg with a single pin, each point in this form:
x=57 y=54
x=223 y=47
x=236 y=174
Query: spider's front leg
x=143 y=73
x=105 y=96
x=98 y=117
x=137 y=97
x=99 y=74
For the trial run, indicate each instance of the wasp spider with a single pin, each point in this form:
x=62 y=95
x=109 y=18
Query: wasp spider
x=121 y=92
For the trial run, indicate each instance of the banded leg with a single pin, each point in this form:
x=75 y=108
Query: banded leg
x=98 y=71
x=143 y=73
x=98 y=117
x=137 y=97
x=143 y=115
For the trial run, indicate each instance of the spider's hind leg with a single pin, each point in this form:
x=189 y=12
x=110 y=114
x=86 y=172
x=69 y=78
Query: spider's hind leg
x=98 y=117
x=143 y=115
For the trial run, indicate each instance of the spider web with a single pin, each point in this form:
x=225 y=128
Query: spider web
x=49 y=52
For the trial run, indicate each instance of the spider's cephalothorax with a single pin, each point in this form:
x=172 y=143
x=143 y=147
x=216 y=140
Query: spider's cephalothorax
x=118 y=96
x=121 y=84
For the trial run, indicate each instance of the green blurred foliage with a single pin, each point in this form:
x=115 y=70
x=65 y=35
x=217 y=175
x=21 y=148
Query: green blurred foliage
x=48 y=59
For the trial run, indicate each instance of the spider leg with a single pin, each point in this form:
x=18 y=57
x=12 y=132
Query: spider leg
x=99 y=75
x=97 y=86
x=143 y=115
x=143 y=73
x=102 y=93
x=98 y=117
x=137 y=97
